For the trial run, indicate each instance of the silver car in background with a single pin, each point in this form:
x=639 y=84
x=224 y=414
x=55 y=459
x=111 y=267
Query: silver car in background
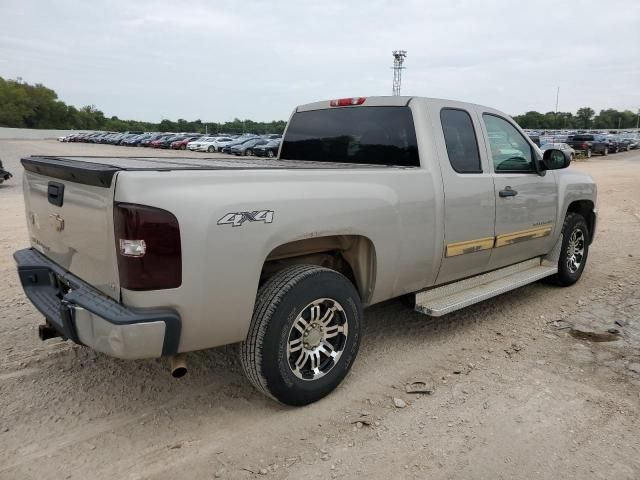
x=566 y=149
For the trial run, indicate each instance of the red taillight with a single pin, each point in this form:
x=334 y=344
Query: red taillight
x=584 y=146
x=347 y=102
x=148 y=247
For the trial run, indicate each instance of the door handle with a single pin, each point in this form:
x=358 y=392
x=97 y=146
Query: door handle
x=507 y=192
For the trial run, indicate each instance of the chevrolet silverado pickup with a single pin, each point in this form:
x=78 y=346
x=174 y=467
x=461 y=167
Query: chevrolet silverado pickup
x=368 y=199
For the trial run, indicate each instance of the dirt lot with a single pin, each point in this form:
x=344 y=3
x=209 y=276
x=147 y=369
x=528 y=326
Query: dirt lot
x=528 y=385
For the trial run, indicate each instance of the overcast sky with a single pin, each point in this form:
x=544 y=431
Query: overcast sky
x=214 y=60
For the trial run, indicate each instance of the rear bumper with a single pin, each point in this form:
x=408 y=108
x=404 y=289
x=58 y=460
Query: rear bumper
x=81 y=313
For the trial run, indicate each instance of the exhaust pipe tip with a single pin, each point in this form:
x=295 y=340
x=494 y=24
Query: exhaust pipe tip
x=45 y=332
x=178 y=365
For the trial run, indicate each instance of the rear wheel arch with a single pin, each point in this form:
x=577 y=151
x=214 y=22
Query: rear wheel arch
x=352 y=255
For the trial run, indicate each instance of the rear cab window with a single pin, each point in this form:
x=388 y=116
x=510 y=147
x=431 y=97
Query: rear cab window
x=583 y=138
x=358 y=135
x=460 y=140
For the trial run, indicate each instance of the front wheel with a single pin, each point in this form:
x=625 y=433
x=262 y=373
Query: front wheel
x=249 y=152
x=211 y=149
x=574 y=252
x=270 y=153
x=304 y=334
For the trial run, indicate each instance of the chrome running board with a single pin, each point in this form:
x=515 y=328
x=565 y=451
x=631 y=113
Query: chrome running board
x=454 y=296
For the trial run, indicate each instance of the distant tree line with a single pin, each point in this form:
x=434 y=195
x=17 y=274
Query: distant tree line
x=36 y=106
x=585 y=118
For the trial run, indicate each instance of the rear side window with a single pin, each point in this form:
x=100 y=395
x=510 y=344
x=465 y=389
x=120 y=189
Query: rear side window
x=461 y=141
x=358 y=135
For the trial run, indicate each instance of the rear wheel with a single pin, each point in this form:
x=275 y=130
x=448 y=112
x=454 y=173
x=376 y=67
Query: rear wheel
x=304 y=334
x=248 y=152
x=574 y=252
x=211 y=149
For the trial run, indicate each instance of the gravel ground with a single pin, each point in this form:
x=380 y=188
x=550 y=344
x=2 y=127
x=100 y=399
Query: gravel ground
x=528 y=385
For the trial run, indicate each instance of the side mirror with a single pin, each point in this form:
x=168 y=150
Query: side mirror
x=554 y=159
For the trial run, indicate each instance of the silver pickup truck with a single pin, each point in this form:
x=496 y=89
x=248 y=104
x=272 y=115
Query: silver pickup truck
x=369 y=199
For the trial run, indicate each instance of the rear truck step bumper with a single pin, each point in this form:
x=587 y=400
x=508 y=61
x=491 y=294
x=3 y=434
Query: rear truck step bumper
x=80 y=313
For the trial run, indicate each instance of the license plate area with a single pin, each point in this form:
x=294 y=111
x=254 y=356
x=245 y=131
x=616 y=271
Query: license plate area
x=61 y=286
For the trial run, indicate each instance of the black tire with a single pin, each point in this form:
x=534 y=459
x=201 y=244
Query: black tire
x=565 y=277
x=248 y=152
x=270 y=154
x=211 y=149
x=605 y=152
x=281 y=301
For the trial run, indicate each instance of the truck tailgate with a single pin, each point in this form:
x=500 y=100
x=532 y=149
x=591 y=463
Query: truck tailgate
x=71 y=223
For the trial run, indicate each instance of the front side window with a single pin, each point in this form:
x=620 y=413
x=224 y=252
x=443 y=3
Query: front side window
x=509 y=149
x=460 y=139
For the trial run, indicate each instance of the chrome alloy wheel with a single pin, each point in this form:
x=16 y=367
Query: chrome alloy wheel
x=317 y=339
x=575 y=250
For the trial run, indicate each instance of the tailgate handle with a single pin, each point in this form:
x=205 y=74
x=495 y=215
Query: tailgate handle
x=55 y=193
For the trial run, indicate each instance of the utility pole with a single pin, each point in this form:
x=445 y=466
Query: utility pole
x=398 y=61
x=557 y=98
x=638 y=120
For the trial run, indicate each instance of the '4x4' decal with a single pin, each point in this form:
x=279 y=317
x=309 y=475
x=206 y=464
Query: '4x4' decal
x=237 y=219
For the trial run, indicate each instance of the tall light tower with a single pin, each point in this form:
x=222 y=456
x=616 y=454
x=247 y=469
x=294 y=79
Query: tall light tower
x=398 y=61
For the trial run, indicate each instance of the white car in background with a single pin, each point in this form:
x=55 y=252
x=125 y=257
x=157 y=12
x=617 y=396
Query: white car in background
x=221 y=142
x=197 y=144
x=209 y=144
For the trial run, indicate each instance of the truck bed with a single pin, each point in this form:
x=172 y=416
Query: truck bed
x=99 y=171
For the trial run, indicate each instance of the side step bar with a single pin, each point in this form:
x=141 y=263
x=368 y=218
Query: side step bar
x=454 y=296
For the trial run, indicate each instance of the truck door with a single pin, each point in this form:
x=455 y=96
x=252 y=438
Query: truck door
x=469 y=202
x=526 y=202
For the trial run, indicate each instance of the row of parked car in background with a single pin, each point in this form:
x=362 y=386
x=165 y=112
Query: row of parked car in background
x=570 y=142
x=587 y=143
x=246 y=144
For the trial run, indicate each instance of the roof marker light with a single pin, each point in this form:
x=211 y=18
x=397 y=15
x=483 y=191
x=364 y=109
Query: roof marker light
x=347 y=102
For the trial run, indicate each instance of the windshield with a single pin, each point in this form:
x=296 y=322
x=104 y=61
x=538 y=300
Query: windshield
x=359 y=135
